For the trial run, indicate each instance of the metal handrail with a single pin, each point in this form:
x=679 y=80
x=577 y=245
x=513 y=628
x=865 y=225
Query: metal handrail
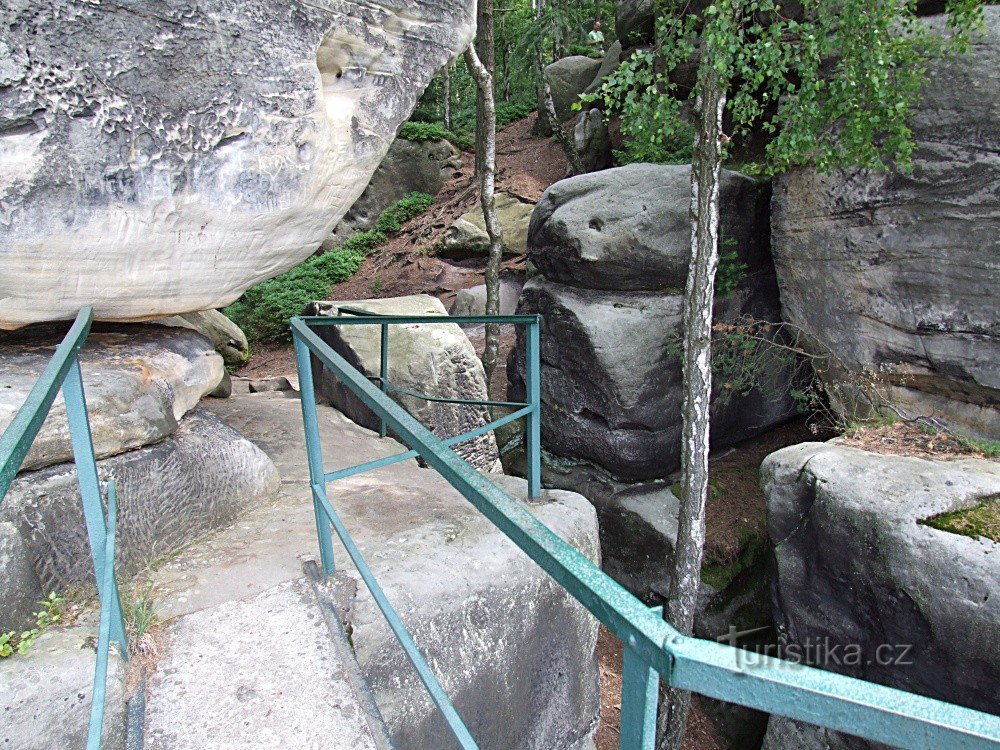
x=63 y=372
x=651 y=646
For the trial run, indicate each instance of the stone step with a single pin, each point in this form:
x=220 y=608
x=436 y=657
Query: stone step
x=271 y=671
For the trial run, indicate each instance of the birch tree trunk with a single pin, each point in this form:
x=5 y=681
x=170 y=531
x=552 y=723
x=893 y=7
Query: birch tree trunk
x=486 y=144
x=486 y=54
x=446 y=95
x=706 y=167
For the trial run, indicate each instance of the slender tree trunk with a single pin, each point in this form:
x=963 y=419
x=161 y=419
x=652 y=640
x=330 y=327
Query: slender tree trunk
x=547 y=109
x=698 y=297
x=486 y=54
x=487 y=146
x=446 y=95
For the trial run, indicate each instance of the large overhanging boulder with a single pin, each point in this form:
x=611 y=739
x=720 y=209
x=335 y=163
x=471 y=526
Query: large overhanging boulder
x=160 y=158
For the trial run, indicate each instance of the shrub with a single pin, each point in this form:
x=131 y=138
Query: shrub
x=264 y=310
x=432 y=131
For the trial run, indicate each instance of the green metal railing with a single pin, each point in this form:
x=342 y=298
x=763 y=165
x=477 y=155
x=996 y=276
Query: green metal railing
x=63 y=372
x=653 y=650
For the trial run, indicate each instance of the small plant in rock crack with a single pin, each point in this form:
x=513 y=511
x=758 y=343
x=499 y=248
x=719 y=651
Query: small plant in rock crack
x=141 y=616
x=12 y=642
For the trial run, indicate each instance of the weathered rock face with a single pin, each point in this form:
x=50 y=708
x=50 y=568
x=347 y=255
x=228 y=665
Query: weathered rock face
x=227 y=337
x=592 y=140
x=856 y=566
x=467 y=237
x=472 y=301
x=629 y=228
x=634 y=21
x=166 y=177
x=48 y=694
x=408 y=167
x=569 y=77
x=433 y=359
x=613 y=249
x=199 y=479
x=139 y=382
x=611 y=378
x=898 y=273
x=514 y=651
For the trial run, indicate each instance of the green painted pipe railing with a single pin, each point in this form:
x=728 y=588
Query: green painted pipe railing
x=63 y=372
x=653 y=650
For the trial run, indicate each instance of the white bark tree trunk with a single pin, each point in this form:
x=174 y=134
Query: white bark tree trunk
x=699 y=292
x=446 y=95
x=486 y=145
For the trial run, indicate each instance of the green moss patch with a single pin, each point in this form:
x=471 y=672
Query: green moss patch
x=982 y=520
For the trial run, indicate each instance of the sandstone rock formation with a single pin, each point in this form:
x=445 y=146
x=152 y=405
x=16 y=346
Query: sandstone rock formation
x=569 y=77
x=198 y=479
x=634 y=21
x=472 y=301
x=613 y=249
x=408 y=167
x=432 y=359
x=515 y=651
x=139 y=382
x=629 y=228
x=855 y=565
x=898 y=274
x=227 y=337
x=167 y=175
x=467 y=237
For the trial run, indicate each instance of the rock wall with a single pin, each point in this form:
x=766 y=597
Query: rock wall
x=898 y=274
x=856 y=568
x=158 y=159
x=613 y=249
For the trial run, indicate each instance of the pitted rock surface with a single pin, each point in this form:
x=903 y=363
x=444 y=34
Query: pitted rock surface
x=167 y=176
x=435 y=359
x=139 y=381
x=201 y=478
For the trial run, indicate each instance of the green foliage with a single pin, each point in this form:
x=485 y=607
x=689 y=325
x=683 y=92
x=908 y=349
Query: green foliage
x=141 y=614
x=731 y=271
x=432 y=131
x=980 y=521
x=264 y=310
x=832 y=85
x=989 y=448
x=12 y=642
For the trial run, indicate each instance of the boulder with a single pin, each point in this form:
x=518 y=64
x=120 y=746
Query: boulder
x=200 y=478
x=408 y=167
x=629 y=228
x=139 y=381
x=227 y=337
x=470 y=302
x=611 y=377
x=514 y=651
x=612 y=59
x=163 y=178
x=856 y=567
x=45 y=694
x=635 y=21
x=569 y=77
x=592 y=141
x=434 y=359
x=898 y=273
x=467 y=237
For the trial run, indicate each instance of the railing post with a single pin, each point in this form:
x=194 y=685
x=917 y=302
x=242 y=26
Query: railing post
x=637 y=730
x=90 y=492
x=383 y=371
x=533 y=427
x=314 y=451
